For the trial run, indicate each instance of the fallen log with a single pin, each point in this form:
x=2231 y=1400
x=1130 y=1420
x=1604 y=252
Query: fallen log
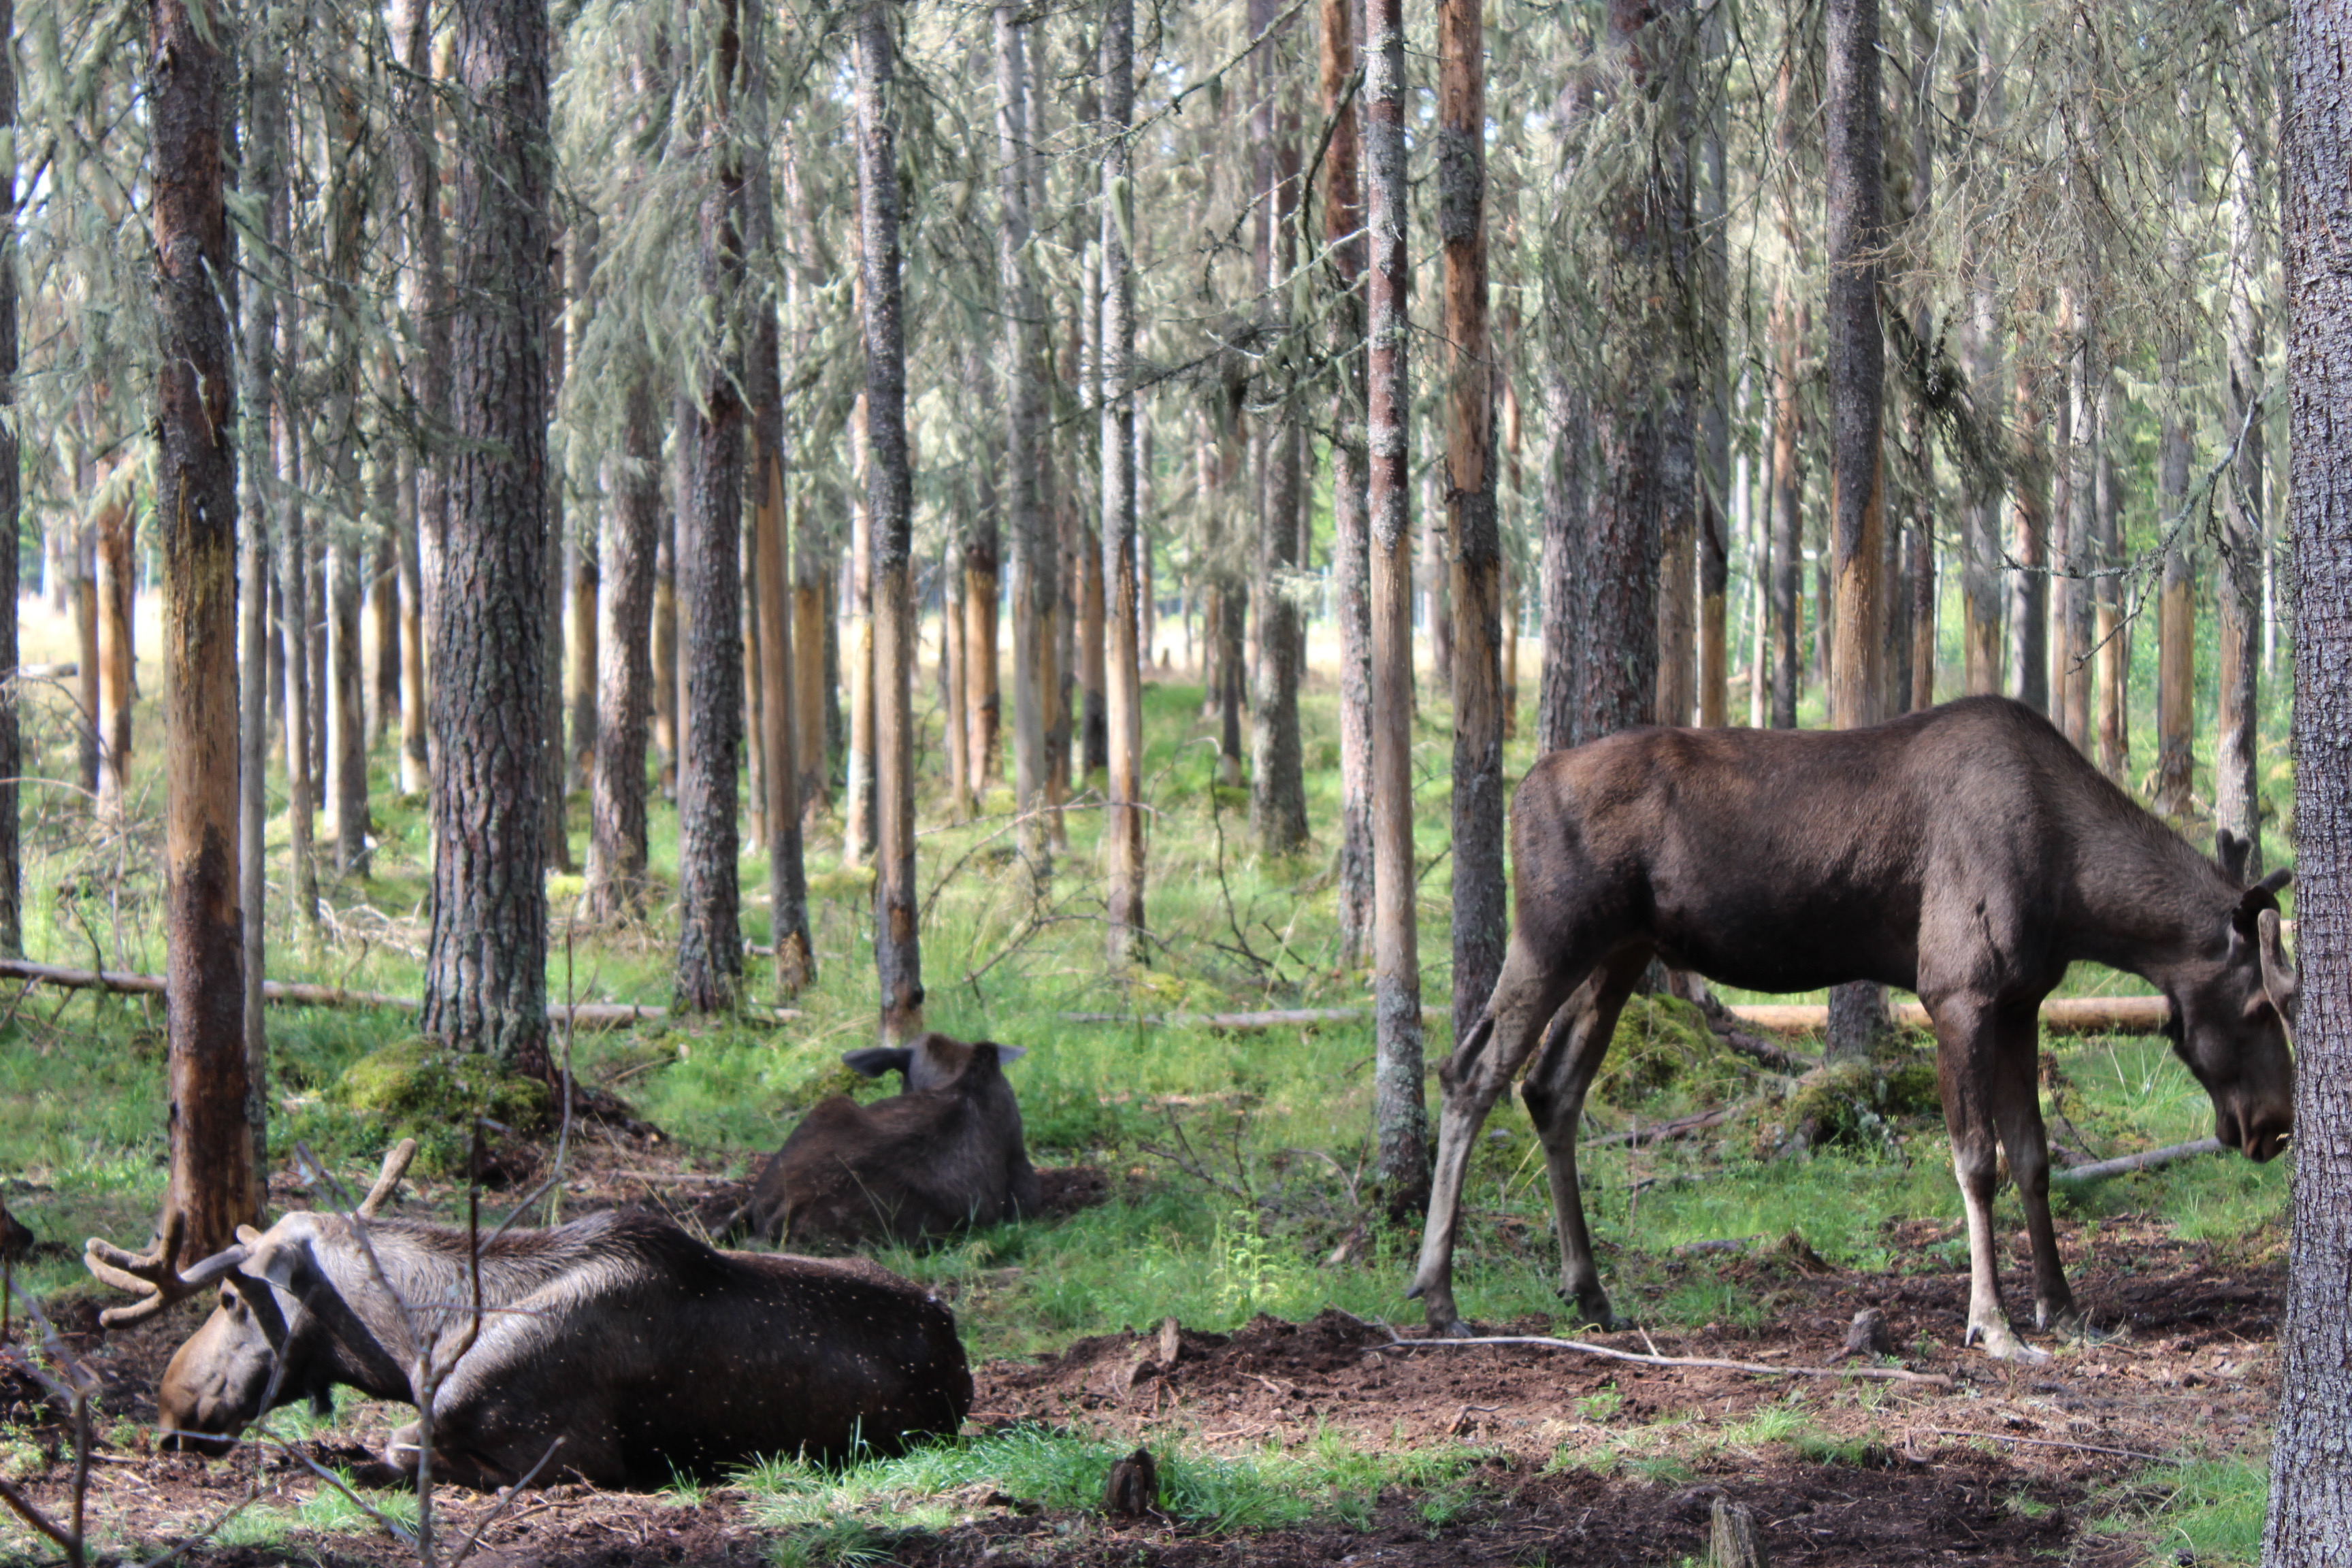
x=2060 y=1015
x=304 y=993
x=2100 y=1170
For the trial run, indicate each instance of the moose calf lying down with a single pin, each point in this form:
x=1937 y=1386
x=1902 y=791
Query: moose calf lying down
x=645 y=1353
x=945 y=1154
x=1967 y=853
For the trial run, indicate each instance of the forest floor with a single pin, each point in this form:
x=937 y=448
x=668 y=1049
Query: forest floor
x=1531 y=1454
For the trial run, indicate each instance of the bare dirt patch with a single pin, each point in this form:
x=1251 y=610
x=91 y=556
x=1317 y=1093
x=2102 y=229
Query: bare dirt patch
x=1566 y=1459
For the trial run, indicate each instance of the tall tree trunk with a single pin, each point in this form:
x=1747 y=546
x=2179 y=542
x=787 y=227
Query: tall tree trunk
x=795 y=955
x=1566 y=434
x=2175 y=614
x=1343 y=220
x=2029 y=611
x=422 y=294
x=1277 y=777
x=666 y=728
x=214 y=1186
x=1786 y=329
x=345 y=693
x=813 y=630
x=858 y=835
x=117 y=673
x=2237 y=805
x=581 y=566
x=486 y=960
x=709 y=975
x=1024 y=521
x=1481 y=918
x=897 y=955
x=1400 y=1110
x=265 y=187
x=1711 y=350
x=955 y=719
x=1123 y=820
x=384 y=596
x=1857 y=372
x=624 y=675
x=2108 y=633
x=2310 y=1508
x=2072 y=552
x=294 y=619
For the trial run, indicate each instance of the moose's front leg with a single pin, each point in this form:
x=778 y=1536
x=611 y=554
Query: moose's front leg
x=1525 y=995
x=2024 y=1140
x=1971 y=1071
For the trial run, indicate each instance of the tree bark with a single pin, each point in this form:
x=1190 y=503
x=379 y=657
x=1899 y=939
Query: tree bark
x=2028 y=612
x=1399 y=1112
x=1481 y=918
x=294 y=620
x=1024 y=521
x=1123 y=819
x=2310 y=1508
x=214 y=1186
x=625 y=674
x=795 y=955
x=1566 y=435
x=2175 y=614
x=710 y=973
x=116 y=672
x=897 y=955
x=423 y=301
x=1786 y=328
x=1857 y=372
x=486 y=960
x=1277 y=778
x=1343 y=219
x=2236 y=801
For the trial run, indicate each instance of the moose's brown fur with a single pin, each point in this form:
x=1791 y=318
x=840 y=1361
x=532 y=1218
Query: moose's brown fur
x=646 y=1353
x=1967 y=853
x=944 y=1155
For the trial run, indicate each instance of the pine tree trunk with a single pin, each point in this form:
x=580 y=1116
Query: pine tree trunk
x=2109 y=635
x=265 y=185
x=215 y=1184
x=1343 y=220
x=857 y=640
x=486 y=960
x=423 y=301
x=1399 y=1112
x=2236 y=803
x=1123 y=820
x=1786 y=328
x=1481 y=917
x=624 y=671
x=897 y=955
x=1857 y=374
x=813 y=632
x=2310 y=1508
x=2029 y=605
x=665 y=715
x=115 y=672
x=1566 y=432
x=710 y=973
x=294 y=619
x=1024 y=521
x=2176 y=615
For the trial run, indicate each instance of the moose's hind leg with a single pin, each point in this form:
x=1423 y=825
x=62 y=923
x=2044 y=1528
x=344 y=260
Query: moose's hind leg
x=1554 y=1092
x=1530 y=990
x=1974 y=1070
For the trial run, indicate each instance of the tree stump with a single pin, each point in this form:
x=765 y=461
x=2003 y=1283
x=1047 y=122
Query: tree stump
x=1733 y=1541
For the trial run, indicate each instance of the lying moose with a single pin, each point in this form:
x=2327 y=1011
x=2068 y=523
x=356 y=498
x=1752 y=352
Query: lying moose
x=1967 y=853
x=646 y=1354
x=945 y=1154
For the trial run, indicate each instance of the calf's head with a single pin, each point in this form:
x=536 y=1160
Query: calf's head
x=2231 y=1013
x=934 y=1061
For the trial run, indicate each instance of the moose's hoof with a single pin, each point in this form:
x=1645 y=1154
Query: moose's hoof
x=2002 y=1343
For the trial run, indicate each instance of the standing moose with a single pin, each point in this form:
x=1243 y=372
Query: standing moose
x=1967 y=853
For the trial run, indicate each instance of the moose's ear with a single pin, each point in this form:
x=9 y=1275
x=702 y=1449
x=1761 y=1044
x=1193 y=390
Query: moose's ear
x=2232 y=852
x=1004 y=1053
x=876 y=1060
x=282 y=1257
x=2280 y=979
x=2262 y=895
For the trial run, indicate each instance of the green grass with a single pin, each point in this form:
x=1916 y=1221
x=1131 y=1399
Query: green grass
x=1235 y=1160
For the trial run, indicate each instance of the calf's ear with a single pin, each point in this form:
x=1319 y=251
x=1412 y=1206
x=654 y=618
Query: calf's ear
x=876 y=1060
x=1004 y=1053
x=2280 y=980
x=2232 y=852
x=283 y=1260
